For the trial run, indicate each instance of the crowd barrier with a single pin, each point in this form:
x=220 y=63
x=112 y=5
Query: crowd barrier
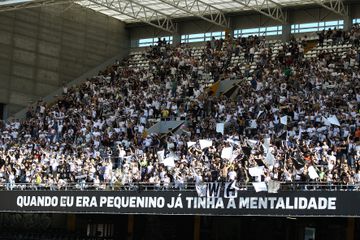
x=187 y=186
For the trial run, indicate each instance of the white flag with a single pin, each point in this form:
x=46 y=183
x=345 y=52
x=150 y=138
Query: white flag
x=333 y=120
x=256 y=171
x=283 y=120
x=270 y=159
x=266 y=145
x=260 y=186
x=170 y=146
x=226 y=153
x=265 y=148
x=160 y=155
x=234 y=142
x=220 y=128
x=201 y=189
x=326 y=122
x=169 y=162
x=267 y=142
x=174 y=156
x=205 y=143
x=189 y=144
x=252 y=143
x=273 y=186
x=312 y=173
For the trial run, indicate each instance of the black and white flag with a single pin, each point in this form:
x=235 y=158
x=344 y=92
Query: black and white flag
x=273 y=186
x=201 y=189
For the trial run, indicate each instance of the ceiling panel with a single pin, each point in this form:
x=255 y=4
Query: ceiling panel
x=167 y=10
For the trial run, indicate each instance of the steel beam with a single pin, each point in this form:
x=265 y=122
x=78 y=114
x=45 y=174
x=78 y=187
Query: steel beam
x=139 y=12
x=31 y=4
x=201 y=10
x=336 y=6
x=268 y=8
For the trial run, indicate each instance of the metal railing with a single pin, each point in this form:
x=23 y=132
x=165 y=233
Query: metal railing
x=187 y=186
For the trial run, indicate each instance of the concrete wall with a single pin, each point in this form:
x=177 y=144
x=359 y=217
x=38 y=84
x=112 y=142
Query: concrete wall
x=41 y=49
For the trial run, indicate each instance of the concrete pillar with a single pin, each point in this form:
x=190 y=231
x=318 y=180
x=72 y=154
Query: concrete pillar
x=176 y=39
x=350 y=230
x=286 y=27
x=197 y=222
x=71 y=222
x=286 y=32
x=348 y=19
x=230 y=30
x=130 y=235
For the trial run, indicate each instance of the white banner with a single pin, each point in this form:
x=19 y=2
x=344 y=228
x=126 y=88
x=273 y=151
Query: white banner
x=252 y=143
x=283 y=120
x=220 y=128
x=333 y=120
x=312 y=172
x=205 y=143
x=226 y=153
x=161 y=155
x=273 y=186
x=270 y=159
x=201 y=189
x=256 y=171
x=169 y=162
x=260 y=186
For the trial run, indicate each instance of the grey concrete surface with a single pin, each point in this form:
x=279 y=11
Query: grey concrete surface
x=41 y=49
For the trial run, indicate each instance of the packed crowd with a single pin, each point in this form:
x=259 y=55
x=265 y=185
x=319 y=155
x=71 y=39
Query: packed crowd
x=296 y=117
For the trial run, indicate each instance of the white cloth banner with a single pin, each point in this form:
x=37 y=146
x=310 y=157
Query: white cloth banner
x=189 y=144
x=267 y=142
x=205 y=143
x=266 y=145
x=252 y=143
x=161 y=155
x=256 y=171
x=326 y=122
x=226 y=153
x=233 y=141
x=174 y=156
x=265 y=148
x=333 y=120
x=220 y=128
x=283 y=120
x=270 y=159
x=260 y=186
x=312 y=173
x=273 y=186
x=201 y=189
x=169 y=162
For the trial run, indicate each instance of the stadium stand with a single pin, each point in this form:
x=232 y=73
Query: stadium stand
x=294 y=113
x=179 y=119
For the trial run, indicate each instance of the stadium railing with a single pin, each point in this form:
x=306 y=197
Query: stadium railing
x=187 y=186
